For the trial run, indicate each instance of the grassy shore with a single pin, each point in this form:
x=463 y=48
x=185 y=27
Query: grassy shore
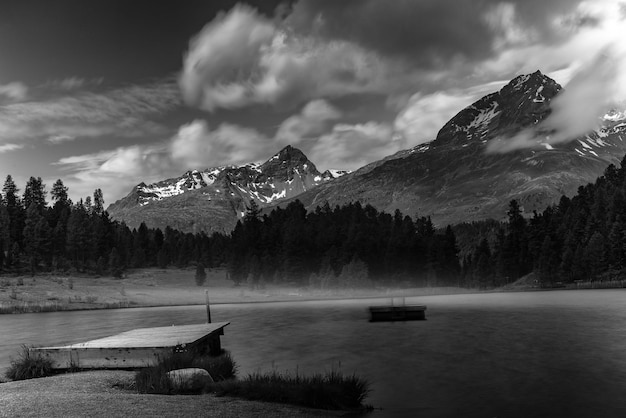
x=163 y=287
x=102 y=394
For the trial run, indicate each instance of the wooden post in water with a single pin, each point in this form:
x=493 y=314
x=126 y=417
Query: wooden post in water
x=208 y=307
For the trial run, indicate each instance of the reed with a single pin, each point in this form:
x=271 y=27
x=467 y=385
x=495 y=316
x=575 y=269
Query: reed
x=330 y=390
x=28 y=366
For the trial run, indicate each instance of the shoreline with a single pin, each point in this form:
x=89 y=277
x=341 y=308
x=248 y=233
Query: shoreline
x=97 y=393
x=152 y=288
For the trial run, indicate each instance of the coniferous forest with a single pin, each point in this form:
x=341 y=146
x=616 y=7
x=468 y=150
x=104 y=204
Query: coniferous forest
x=581 y=238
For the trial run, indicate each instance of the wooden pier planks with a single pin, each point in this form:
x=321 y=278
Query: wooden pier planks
x=136 y=348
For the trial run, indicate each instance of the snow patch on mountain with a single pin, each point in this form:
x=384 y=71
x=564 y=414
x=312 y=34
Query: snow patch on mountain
x=284 y=175
x=482 y=120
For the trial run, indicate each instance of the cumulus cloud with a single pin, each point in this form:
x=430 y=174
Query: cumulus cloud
x=424 y=115
x=350 y=147
x=14 y=91
x=115 y=171
x=242 y=58
x=197 y=146
x=226 y=51
x=314 y=120
x=502 y=19
x=429 y=33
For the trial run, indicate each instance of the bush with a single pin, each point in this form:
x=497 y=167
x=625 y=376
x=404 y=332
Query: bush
x=331 y=390
x=28 y=366
x=154 y=379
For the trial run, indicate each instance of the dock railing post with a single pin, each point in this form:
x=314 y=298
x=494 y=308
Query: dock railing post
x=208 y=307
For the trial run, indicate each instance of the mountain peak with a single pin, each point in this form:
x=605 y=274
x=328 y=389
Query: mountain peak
x=290 y=153
x=528 y=82
x=288 y=162
x=521 y=103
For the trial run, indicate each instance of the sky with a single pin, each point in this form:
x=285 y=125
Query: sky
x=110 y=93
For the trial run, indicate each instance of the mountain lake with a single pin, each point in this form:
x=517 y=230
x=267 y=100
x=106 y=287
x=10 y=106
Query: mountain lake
x=554 y=353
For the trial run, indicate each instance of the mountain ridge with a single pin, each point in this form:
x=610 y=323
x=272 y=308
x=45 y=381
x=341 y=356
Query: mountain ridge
x=219 y=193
x=452 y=178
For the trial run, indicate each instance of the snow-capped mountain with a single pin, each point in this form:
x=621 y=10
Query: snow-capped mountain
x=454 y=179
x=213 y=199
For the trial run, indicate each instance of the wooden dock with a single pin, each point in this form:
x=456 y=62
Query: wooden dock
x=137 y=348
x=397 y=313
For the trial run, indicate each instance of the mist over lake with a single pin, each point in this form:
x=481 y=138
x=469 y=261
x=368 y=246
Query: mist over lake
x=557 y=353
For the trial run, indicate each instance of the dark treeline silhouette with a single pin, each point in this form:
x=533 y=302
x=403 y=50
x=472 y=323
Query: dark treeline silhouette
x=66 y=236
x=345 y=246
x=341 y=247
x=582 y=238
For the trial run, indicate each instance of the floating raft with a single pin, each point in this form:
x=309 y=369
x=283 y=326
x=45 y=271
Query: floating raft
x=397 y=313
x=137 y=348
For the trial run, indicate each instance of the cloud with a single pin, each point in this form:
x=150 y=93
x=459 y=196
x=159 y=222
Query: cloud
x=596 y=84
x=350 y=147
x=10 y=147
x=197 y=146
x=122 y=112
x=502 y=19
x=115 y=171
x=73 y=83
x=60 y=138
x=425 y=114
x=314 y=120
x=14 y=91
x=243 y=58
x=430 y=34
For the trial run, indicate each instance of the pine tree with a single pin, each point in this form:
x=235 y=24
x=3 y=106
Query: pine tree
x=59 y=193
x=35 y=193
x=30 y=238
x=98 y=202
x=15 y=210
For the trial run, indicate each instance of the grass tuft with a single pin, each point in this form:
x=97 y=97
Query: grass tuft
x=331 y=390
x=29 y=366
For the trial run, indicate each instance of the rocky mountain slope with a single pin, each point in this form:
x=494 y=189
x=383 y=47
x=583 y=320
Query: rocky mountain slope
x=213 y=199
x=455 y=179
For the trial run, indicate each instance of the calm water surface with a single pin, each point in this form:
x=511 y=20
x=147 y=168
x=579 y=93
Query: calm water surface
x=550 y=354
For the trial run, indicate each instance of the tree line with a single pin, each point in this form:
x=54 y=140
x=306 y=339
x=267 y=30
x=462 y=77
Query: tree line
x=579 y=238
x=582 y=238
x=344 y=246
x=67 y=236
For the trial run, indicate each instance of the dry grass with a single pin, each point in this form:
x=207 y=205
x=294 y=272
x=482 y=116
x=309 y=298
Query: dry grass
x=98 y=394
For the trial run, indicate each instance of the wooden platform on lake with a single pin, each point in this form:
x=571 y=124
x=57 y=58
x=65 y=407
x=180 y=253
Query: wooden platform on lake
x=397 y=313
x=136 y=348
